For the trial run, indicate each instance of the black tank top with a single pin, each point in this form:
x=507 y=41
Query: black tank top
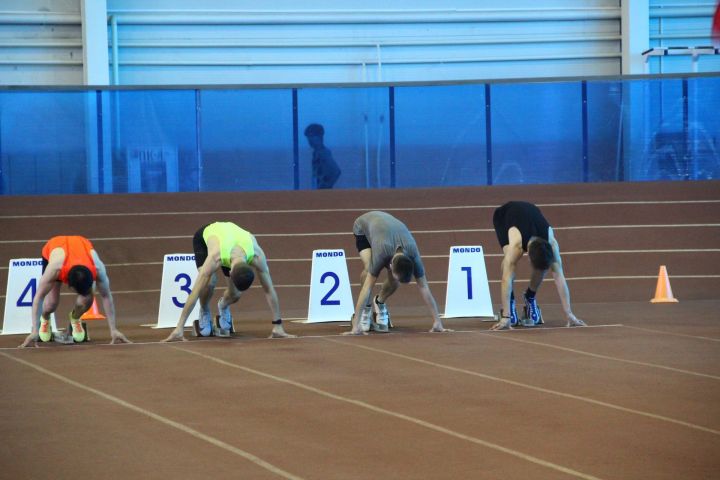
x=524 y=216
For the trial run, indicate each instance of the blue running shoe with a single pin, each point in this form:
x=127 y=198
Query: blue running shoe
x=532 y=311
x=514 y=320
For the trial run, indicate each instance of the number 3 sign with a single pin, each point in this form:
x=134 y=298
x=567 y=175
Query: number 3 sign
x=179 y=272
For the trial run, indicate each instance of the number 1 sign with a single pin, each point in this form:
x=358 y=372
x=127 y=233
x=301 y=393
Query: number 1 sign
x=468 y=293
x=330 y=295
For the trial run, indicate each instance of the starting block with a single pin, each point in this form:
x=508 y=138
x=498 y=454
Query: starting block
x=215 y=332
x=526 y=321
x=66 y=337
x=217 y=324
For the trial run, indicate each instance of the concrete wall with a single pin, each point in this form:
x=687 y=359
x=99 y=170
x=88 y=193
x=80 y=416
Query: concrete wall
x=40 y=42
x=681 y=23
x=245 y=42
x=324 y=41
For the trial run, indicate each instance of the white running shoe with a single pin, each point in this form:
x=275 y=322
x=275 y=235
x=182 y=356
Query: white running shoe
x=226 y=321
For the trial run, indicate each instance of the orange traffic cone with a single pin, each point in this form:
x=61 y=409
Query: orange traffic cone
x=663 y=292
x=93 y=313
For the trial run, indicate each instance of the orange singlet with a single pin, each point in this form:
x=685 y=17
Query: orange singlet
x=77 y=252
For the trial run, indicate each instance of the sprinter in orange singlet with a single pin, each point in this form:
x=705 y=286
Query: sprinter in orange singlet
x=71 y=260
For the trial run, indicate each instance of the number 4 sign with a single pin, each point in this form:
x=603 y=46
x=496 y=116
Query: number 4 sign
x=23 y=276
x=468 y=292
x=330 y=295
x=179 y=272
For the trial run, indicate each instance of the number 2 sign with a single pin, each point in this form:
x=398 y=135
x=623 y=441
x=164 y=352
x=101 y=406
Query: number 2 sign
x=330 y=295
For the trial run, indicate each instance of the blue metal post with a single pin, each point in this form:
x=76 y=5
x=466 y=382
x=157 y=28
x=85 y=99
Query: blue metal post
x=198 y=138
x=296 y=150
x=686 y=133
x=392 y=136
x=488 y=136
x=100 y=148
x=586 y=161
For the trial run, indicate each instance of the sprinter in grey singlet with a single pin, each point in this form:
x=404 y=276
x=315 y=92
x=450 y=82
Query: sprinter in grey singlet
x=384 y=242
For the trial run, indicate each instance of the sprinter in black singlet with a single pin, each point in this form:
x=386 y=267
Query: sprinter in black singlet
x=521 y=227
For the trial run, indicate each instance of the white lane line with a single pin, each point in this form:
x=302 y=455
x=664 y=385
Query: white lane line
x=631 y=277
x=679 y=225
x=530 y=387
x=83 y=346
x=115 y=292
x=341 y=324
x=608 y=357
x=543 y=328
x=612 y=252
x=331 y=210
x=166 y=421
x=415 y=232
x=674 y=334
x=565 y=253
x=442 y=282
x=401 y=416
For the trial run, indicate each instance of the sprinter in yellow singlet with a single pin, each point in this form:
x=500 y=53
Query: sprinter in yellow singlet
x=225 y=246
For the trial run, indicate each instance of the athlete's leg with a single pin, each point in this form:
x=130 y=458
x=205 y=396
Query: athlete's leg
x=532 y=310
x=365 y=252
x=231 y=295
x=49 y=305
x=51 y=301
x=536 y=279
x=206 y=295
x=82 y=305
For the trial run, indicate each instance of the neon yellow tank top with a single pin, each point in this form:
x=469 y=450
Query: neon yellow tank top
x=230 y=235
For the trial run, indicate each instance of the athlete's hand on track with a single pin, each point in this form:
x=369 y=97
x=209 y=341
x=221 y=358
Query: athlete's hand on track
x=355 y=332
x=118 y=337
x=438 y=328
x=573 y=321
x=32 y=338
x=279 y=332
x=503 y=324
x=176 y=335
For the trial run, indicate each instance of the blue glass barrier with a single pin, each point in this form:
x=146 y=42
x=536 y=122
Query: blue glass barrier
x=704 y=128
x=406 y=136
x=604 y=131
x=537 y=133
x=43 y=138
x=246 y=140
x=355 y=126
x=153 y=141
x=440 y=136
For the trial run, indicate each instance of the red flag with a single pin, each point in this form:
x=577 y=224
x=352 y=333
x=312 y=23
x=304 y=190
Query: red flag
x=716 y=26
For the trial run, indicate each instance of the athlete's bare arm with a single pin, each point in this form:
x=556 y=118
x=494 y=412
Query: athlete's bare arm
x=512 y=253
